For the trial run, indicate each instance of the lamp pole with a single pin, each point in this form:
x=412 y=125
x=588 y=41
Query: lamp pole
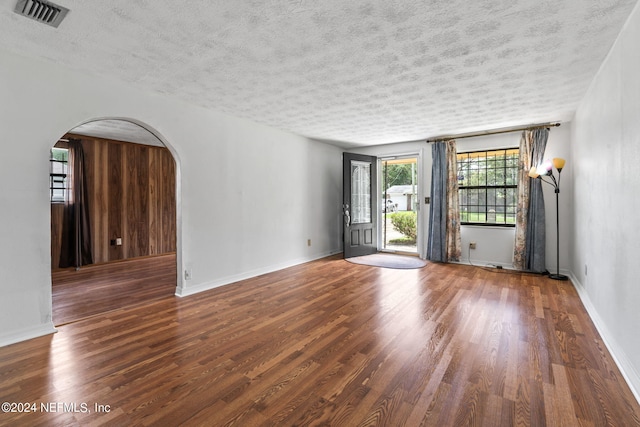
x=547 y=169
x=558 y=276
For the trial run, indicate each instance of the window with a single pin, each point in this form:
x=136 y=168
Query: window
x=488 y=188
x=58 y=174
x=360 y=192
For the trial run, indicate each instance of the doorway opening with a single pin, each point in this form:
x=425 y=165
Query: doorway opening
x=399 y=219
x=114 y=230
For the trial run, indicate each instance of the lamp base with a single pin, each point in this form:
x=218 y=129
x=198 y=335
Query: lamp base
x=558 y=277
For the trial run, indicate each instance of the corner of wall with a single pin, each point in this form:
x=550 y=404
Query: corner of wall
x=617 y=352
x=185 y=291
x=24 y=334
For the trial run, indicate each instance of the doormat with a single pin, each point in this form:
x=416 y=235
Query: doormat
x=388 y=261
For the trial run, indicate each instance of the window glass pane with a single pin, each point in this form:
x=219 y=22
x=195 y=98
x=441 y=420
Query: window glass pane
x=58 y=170
x=57 y=195
x=60 y=154
x=487 y=183
x=360 y=192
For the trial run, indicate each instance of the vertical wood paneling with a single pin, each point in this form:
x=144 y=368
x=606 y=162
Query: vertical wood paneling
x=57 y=211
x=96 y=157
x=100 y=196
x=142 y=205
x=168 y=208
x=131 y=195
x=131 y=191
x=154 y=202
x=116 y=201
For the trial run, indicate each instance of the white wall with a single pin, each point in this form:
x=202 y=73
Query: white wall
x=235 y=181
x=606 y=238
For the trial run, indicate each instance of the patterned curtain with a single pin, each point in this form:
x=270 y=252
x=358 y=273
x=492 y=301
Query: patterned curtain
x=454 y=241
x=522 y=207
x=444 y=242
x=529 y=250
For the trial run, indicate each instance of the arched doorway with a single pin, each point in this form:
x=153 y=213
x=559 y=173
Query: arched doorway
x=130 y=203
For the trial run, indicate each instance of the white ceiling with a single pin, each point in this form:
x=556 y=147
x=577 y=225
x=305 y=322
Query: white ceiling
x=358 y=72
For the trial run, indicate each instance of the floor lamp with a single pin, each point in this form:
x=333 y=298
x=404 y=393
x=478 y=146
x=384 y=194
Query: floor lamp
x=546 y=169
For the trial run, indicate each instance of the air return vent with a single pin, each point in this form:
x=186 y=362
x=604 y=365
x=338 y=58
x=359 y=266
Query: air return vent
x=42 y=11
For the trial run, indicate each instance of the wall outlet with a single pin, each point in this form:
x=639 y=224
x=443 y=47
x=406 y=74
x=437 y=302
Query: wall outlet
x=119 y=241
x=308 y=242
x=472 y=245
x=188 y=273
x=585 y=269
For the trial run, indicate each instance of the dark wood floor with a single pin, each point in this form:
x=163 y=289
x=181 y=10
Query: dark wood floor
x=331 y=343
x=97 y=289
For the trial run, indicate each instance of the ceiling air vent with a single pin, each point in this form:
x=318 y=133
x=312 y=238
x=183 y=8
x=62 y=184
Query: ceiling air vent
x=42 y=11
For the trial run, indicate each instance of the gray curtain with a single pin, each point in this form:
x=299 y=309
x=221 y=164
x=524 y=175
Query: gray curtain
x=437 y=238
x=535 y=239
x=76 y=231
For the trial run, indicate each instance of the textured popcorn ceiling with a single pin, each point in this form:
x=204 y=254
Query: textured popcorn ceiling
x=356 y=72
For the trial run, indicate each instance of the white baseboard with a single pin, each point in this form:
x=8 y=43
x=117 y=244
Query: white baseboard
x=484 y=263
x=617 y=353
x=27 y=334
x=201 y=287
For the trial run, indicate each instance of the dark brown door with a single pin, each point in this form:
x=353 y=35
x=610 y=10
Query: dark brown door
x=359 y=204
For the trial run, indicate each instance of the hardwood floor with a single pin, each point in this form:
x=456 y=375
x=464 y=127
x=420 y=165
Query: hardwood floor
x=330 y=343
x=100 y=288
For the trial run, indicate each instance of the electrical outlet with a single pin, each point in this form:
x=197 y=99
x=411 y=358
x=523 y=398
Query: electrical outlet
x=308 y=242
x=472 y=245
x=119 y=241
x=585 y=269
x=188 y=274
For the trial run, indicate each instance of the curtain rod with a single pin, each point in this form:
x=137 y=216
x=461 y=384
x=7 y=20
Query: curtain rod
x=492 y=132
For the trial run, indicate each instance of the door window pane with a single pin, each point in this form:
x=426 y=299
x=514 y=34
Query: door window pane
x=360 y=192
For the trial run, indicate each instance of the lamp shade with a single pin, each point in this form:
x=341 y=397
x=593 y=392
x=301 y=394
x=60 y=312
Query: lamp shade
x=546 y=168
x=558 y=163
x=533 y=173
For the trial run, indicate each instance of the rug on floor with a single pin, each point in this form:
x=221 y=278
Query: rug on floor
x=388 y=261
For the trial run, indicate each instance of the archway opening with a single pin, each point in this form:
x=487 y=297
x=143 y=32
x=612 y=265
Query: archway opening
x=114 y=222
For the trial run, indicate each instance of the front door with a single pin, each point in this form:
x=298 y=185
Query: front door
x=358 y=205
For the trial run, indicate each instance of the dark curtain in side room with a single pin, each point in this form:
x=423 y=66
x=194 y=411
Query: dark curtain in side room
x=76 y=231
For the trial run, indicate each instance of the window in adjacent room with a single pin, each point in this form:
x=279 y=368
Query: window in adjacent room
x=488 y=190
x=58 y=174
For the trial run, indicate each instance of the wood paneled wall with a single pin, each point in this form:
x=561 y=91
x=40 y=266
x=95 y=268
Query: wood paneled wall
x=131 y=196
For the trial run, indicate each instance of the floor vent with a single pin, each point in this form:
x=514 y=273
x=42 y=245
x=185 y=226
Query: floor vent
x=42 y=11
